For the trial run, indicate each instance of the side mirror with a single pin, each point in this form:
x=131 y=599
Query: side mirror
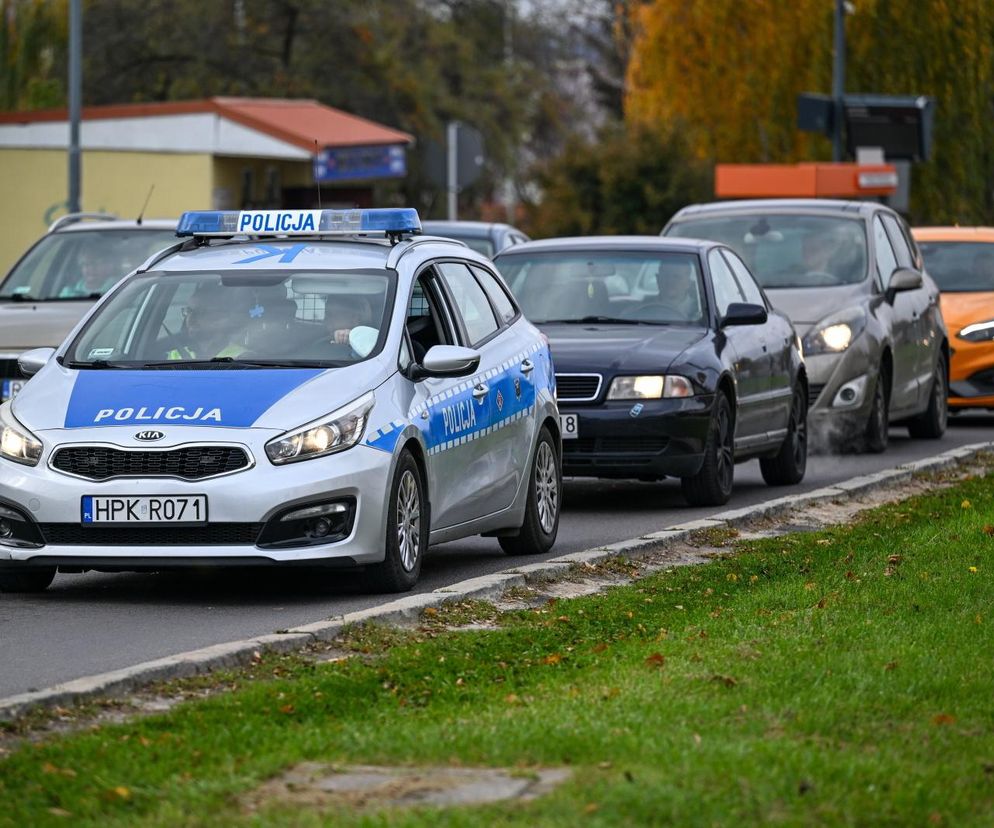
x=744 y=313
x=446 y=361
x=31 y=362
x=903 y=279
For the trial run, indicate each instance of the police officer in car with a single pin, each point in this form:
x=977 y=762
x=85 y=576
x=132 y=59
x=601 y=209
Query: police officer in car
x=213 y=324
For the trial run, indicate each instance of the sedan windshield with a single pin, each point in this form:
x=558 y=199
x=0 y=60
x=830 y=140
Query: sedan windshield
x=960 y=267
x=82 y=264
x=789 y=251
x=627 y=287
x=238 y=320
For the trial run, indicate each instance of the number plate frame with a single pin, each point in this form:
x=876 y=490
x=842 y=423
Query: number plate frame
x=11 y=384
x=569 y=426
x=142 y=507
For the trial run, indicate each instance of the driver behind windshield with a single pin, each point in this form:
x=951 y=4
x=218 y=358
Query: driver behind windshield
x=677 y=289
x=93 y=281
x=214 y=323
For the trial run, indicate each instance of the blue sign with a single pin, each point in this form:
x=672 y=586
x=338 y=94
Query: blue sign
x=357 y=163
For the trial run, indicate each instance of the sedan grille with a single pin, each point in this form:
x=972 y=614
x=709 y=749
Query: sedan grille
x=614 y=445
x=213 y=534
x=577 y=387
x=189 y=463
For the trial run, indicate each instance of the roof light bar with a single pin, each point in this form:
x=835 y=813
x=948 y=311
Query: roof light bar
x=227 y=223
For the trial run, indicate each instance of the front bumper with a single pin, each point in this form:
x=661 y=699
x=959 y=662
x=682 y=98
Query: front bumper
x=242 y=507
x=840 y=392
x=971 y=375
x=622 y=440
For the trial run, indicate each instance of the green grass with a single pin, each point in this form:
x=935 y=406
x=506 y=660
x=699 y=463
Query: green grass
x=843 y=677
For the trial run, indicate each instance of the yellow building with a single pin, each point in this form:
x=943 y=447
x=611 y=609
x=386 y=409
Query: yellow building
x=221 y=153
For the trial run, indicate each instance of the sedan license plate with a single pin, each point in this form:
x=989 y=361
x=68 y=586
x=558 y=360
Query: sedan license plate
x=11 y=387
x=569 y=425
x=168 y=509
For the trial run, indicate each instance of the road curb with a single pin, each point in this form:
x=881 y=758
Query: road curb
x=409 y=607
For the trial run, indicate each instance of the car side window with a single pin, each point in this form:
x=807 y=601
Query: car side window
x=884 y=253
x=471 y=303
x=498 y=296
x=898 y=242
x=426 y=323
x=726 y=289
x=747 y=283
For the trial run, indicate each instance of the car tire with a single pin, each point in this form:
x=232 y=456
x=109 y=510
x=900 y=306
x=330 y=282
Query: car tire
x=36 y=579
x=407 y=531
x=931 y=423
x=790 y=463
x=542 y=508
x=878 y=425
x=712 y=485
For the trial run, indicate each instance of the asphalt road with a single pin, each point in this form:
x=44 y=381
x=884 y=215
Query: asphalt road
x=92 y=623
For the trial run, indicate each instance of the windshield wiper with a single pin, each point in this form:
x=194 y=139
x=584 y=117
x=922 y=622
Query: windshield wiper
x=608 y=319
x=21 y=297
x=97 y=363
x=236 y=362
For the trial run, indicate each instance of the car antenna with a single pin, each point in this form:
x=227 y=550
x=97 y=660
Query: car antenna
x=148 y=198
x=316 y=180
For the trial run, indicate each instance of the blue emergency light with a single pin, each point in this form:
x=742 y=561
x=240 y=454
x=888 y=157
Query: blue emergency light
x=389 y=222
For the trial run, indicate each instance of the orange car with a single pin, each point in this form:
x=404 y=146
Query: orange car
x=961 y=261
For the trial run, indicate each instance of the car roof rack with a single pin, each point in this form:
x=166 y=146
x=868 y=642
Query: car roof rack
x=73 y=218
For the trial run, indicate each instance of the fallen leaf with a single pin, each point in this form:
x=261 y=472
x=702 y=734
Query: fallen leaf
x=512 y=698
x=824 y=542
x=590 y=807
x=604 y=765
x=430 y=611
x=973 y=569
x=728 y=681
x=121 y=792
x=287 y=708
x=941 y=719
x=935 y=818
x=600 y=648
x=966 y=504
x=59 y=812
x=890 y=665
x=656 y=660
x=554 y=658
x=895 y=559
x=810 y=585
x=697 y=738
x=989 y=530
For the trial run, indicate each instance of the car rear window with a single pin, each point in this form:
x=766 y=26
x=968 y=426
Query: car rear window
x=788 y=250
x=960 y=267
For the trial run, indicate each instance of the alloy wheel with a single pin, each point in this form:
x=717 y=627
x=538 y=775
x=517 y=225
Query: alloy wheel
x=546 y=487
x=725 y=450
x=799 y=430
x=408 y=521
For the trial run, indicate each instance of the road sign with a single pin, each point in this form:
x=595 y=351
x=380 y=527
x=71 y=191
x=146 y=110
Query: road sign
x=360 y=163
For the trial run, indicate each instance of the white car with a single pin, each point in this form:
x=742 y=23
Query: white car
x=305 y=387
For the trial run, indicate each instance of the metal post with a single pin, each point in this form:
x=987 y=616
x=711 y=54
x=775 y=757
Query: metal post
x=75 y=99
x=452 y=152
x=838 y=77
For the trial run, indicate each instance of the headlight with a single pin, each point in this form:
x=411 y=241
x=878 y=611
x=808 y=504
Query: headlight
x=835 y=334
x=340 y=430
x=978 y=332
x=649 y=388
x=16 y=442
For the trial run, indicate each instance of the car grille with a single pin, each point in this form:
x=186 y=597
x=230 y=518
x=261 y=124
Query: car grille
x=189 y=463
x=213 y=534
x=814 y=391
x=614 y=445
x=577 y=387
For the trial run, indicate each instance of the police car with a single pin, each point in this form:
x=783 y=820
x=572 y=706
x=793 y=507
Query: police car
x=295 y=387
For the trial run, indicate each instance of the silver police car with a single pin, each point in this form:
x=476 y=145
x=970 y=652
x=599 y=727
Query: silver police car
x=316 y=388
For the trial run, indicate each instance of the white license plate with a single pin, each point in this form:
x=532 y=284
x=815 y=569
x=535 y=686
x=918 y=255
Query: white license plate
x=171 y=509
x=11 y=387
x=569 y=425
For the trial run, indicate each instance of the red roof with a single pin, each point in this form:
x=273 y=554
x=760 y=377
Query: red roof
x=299 y=122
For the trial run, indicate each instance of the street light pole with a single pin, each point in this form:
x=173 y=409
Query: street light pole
x=838 y=77
x=75 y=99
x=452 y=168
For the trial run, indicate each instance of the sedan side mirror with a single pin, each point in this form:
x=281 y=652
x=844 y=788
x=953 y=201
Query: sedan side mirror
x=903 y=279
x=446 y=361
x=744 y=313
x=31 y=362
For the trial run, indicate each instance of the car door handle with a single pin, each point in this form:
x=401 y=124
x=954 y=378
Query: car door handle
x=527 y=366
x=480 y=391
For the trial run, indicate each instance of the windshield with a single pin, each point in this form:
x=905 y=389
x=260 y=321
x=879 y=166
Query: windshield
x=82 y=264
x=789 y=251
x=242 y=319
x=960 y=267
x=636 y=287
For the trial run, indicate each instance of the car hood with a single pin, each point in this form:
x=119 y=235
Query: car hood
x=806 y=306
x=608 y=348
x=962 y=309
x=276 y=399
x=25 y=325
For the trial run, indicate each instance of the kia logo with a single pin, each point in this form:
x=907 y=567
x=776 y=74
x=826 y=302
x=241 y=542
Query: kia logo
x=149 y=436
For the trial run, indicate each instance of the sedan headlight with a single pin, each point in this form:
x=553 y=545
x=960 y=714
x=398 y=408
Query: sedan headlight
x=650 y=387
x=835 y=334
x=978 y=332
x=339 y=431
x=16 y=442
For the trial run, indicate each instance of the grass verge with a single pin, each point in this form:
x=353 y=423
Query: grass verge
x=841 y=677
